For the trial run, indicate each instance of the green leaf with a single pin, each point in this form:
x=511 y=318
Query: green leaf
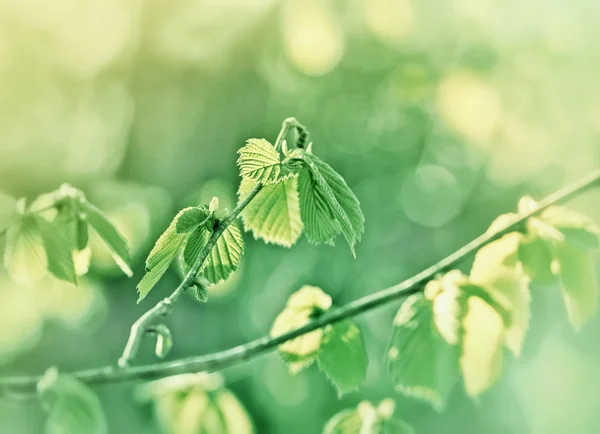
x=422 y=364
x=536 y=256
x=8 y=211
x=579 y=285
x=197 y=403
x=301 y=306
x=191 y=218
x=343 y=357
x=58 y=251
x=261 y=162
x=496 y=269
x=274 y=213
x=24 y=255
x=160 y=258
x=577 y=229
x=110 y=235
x=366 y=419
x=330 y=193
x=225 y=256
x=73 y=407
x=193 y=246
x=82 y=233
x=319 y=223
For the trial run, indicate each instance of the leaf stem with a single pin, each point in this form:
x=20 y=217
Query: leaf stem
x=240 y=353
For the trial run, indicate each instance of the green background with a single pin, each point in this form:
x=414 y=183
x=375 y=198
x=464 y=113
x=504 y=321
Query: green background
x=439 y=114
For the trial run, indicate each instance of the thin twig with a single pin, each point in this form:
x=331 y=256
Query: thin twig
x=235 y=355
x=164 y=307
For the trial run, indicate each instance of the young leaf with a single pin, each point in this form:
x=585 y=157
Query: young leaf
x=110 y=235
x=261 y=162
x=536 y=256
x=24 y=255
x=274 y=213
x=194 y=244
x=482 y=356
x=332 y=194
x=161 y=256
x=577 y=229
x=58 y=251
x=343 y=357
x=225 y=256
x=366 y=419
x=301 y=351
x=578 y=282
x=191 y=218
x=496 y=269
x=8 y=211
x=422 y=364
x=72 y=406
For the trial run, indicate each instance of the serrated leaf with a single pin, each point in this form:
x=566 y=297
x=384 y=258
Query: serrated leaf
x=160 y=258
x=110 y=235
x=8 y=211
x=73 y=407
x=191 y=218
x=578 y=282
x=301 y=306
x=343 y=357
x=497 y=270
x=482 y=356
x=225 y=256
x=536 y=256
x=58 y=251
x=274 y=213
x=330 y=192
x=24 y=255
x=577 y=229
x=422 y=364
x=261 y=162
x=193 y=245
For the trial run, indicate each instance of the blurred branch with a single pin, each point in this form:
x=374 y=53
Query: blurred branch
x=164 y=307
x=235 y=355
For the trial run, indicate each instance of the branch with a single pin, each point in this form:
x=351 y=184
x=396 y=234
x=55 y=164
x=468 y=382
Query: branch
x=235 y=355
x=164 y=307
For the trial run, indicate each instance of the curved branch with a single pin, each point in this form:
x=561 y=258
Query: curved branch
x=235 y=355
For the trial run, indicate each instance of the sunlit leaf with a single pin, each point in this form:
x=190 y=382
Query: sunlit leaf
x=577 y=229
x=579 y=285
x=58 y=251
x=191 y=218
x=225 y=256
x=73 y=407
x=447 y=304
x=331 y=198
x=8 y=211
x=274 y=213
x=422 y=364
x=497 y=270
x=261 y=162
x=110 y=235
x=366 y=419
x=482 y=355
x=24 y=255
x=343 y=357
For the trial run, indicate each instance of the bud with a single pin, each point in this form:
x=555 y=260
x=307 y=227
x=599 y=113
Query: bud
x=214 y=204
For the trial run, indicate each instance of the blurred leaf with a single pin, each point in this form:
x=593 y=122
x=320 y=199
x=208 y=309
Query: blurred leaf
x=579 y=284
x=496 y=269
x=578 y=229
x=225 y=256
x=536 y=256
x=8 y=211
x=261 y=162
x=110 y=235
x=343 y=356
x=191 y=218
x=274 y=213
x=482 y=356
x=422 y=364
x=447 y=300
x=82 y=233
x=164 y=340
x=24 y=256
x=73 y=407
x=58 y=251
x=301 y=307
x=333 y=197
x=366 y=419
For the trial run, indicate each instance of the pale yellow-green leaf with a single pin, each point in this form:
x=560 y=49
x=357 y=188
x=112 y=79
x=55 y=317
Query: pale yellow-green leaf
x=579 y=284
x=8 y=211
x=24 y=256
x=274 y=214
x=577 y=228
x=261 y=162
x=446 y=298
x=309 y=297
x=482 y=355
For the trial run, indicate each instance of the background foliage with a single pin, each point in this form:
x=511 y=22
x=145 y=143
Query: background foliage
x=439 y=115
